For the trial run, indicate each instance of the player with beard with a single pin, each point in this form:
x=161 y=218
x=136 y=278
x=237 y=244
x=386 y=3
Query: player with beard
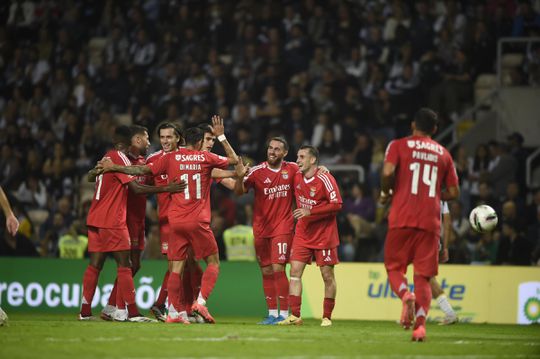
x=273 y=223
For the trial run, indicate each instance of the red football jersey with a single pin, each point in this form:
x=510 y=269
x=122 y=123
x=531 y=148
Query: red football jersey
x=422 y=167
x=195 y=168
x=319 y=232
x=272 y=209
x=163 y=199
x=108 y=208
x=136 y=203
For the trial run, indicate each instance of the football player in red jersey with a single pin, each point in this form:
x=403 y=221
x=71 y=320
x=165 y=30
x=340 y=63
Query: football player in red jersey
x=414 y=171
x=107 y=228
x=189 y=214
x=273 y=223
x=318 y=201
x=135 y=219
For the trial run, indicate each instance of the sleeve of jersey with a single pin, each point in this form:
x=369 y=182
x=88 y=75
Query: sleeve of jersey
x=332 y=195
x=249 y=179
x=218 y=161
x=157 y=166
x=392 y=152
x=121 y=159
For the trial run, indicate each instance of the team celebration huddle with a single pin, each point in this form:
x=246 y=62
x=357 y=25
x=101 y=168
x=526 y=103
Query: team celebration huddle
x=294 y=220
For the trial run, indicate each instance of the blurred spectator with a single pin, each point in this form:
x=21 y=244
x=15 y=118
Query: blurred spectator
x=501 y=169
x=514 y=248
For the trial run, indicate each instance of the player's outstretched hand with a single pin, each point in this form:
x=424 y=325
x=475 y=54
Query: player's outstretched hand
x=176 y=186
x=301 y=212
x=217 y=126
x=443 y=256
x=240 y=169
x=12 y=224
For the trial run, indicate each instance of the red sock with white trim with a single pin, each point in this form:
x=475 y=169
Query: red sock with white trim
x=90 y=280
x=127 y=290
x=281 y=283
x=422 y=289
x=269 y=290
x=175 y=293
x=398 y=282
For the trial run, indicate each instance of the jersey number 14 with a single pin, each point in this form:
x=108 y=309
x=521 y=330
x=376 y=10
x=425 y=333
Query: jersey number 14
x=429 y=177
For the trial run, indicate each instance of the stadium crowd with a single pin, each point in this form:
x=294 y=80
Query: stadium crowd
x=344 y=76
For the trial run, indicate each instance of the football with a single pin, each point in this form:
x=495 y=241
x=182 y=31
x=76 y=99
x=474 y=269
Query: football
x=483 y=219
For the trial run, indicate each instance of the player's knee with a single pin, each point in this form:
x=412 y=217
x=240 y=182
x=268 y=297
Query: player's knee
x=267 y=270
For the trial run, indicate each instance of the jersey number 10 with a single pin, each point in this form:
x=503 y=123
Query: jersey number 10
x=197 y=179
x=429 y=177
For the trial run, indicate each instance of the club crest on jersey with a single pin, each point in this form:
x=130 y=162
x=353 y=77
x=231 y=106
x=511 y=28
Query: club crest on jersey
x=177 y=157
x=285 y=174
x=410 y=143
x=312 y=191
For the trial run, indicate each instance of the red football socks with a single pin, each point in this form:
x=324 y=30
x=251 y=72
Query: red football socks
x=281 y=283
x=196 y=274
x=209 y=279
x=422 y=289
x=127 y=290
x=162 y=296
x=295 y=302
x=112 y=296
x=175 y=291
x=328 y=307
x=269 y=290
x=187 y=295
x=90 y=279
x=398 y=282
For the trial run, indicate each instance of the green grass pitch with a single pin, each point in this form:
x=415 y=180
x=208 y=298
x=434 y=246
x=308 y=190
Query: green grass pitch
x=61 y=336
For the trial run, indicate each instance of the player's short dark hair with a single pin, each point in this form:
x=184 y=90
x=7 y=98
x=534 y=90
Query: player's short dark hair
x=138 y=130
x=122 y=135
x=313 y=151
x=165 y=125
x=193 y=135
x=279 y=139
x=206 y=127
x=426 y=120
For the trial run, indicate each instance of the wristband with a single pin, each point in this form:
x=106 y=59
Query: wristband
x=221 y=138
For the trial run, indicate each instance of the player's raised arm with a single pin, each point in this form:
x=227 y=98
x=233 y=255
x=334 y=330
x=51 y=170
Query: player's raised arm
x=106 y=165
x=219 y=131
x=241 y=172
x=12 y=224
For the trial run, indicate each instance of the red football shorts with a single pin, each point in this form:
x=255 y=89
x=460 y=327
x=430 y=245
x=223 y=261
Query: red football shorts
x=273 y=250
x=164 y=235
x=412 y=245
x=195 y=234
x=323 y=257
x=108 y=240
x=136 y=234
